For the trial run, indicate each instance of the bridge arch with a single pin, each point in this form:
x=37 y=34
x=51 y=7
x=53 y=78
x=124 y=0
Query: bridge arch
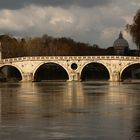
x=12 y=67
x=128 y=70
x=95 y=63
x=61 y=66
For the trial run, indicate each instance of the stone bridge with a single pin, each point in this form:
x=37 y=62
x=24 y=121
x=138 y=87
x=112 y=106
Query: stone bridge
x=28 y=66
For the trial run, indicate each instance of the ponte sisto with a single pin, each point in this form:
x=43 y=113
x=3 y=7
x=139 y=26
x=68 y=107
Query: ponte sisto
x=73 y=66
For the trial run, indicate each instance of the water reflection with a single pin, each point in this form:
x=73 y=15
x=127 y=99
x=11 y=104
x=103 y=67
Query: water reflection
x=74 y=97
x=9 y=95
x=70 y=110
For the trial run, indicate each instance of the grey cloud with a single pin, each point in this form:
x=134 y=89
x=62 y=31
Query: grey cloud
x=100 y=25
x=16 y=4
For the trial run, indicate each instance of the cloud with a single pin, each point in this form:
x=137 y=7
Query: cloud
x=73 y=22
x=17 y=4
x=95 y=25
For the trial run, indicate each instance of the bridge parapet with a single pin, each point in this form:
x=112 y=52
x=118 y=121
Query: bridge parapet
x=68 y=58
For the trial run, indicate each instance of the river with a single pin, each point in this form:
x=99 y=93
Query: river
x=92 y=110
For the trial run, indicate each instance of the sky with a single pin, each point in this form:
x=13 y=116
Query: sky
x=90 y=21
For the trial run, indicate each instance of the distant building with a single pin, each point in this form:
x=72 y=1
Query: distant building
x=121 y=45
x=134 y=52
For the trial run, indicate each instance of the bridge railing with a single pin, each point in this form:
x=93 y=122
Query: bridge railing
x=61 y=58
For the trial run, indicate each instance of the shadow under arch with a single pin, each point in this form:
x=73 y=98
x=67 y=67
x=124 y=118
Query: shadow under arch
x=131 y=71
x=50 y=71
x=95 y=71
x=10 y=73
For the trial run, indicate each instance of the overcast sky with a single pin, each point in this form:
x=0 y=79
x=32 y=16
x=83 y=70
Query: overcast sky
x=90 y=21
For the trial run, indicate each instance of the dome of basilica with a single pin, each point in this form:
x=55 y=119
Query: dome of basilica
x=120 y=43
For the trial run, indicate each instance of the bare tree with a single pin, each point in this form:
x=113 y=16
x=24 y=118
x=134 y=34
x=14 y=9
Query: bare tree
x=134 y=29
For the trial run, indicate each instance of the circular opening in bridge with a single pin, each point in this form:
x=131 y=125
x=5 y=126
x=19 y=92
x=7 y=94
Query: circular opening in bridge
x=10 y=74
x=131 y=72
x=95 y=71
x=74 y=66
x=50 y=71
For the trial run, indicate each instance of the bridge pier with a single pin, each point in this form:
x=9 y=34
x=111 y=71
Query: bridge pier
x=27 y=77
x=115 y=76
x=74 y=77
